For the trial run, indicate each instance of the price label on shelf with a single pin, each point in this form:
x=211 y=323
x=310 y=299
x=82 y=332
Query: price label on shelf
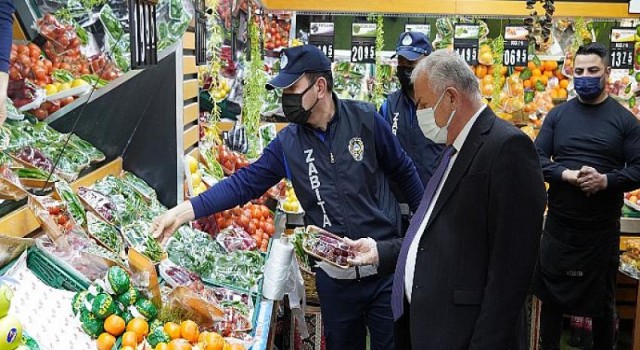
x=422 y=28
x=363 y=52
x=516 y=46
x=321 y=35
x=621 y=48
x=363 y=43
x=465 y=42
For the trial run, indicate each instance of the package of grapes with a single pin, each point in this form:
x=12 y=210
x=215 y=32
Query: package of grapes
x=326 y=246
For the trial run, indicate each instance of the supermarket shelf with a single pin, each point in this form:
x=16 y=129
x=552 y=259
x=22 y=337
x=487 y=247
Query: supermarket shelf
x=23 y=222
x=630 y=225
x=96 y=94
x=189 y=41
x=190 y=113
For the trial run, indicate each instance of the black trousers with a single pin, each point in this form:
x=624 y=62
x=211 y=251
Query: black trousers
x=551 y=328
x=350 y=308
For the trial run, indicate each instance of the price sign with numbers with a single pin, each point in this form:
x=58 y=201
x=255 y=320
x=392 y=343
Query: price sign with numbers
x=621 y=49
x=321 y=34
x=465 y=42
x=363 y=43
x=516 y=46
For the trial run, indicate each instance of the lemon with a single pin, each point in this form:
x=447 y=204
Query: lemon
x=193 y=163
x=196 y=180
x=78 y=82
x=64 y=87
x=51 y=89
x=57 y=84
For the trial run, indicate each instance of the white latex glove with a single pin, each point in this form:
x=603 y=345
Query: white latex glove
x=365 y=249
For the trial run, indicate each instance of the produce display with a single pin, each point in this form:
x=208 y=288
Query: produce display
x=630 y=259
x=235 y=238
x=196 y=251
x=37 y=145
x=289 y=203
x=105 y=234
x=98 y=203
x=74 y=205
x=632 y=199
x=254 y=219
x=326 y=246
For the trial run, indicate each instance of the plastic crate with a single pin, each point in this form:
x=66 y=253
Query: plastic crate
x=49 y=272
x=53 y=274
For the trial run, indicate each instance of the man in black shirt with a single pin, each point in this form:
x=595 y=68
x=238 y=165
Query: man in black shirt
x=589 y=150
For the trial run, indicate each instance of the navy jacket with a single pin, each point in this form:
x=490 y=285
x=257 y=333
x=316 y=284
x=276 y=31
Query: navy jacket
x=348 y=197
x=400 y=112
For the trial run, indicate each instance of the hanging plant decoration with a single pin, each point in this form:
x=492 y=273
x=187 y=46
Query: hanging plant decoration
x=377 y=96
x=254 y=91
x=497 y=47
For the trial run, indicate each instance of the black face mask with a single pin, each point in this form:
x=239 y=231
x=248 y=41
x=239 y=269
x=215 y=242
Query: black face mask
x=404 y=75
x=292 y=107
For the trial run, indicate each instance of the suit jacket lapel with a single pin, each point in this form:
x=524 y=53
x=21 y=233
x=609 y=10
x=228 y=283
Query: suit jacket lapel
x=470 y=148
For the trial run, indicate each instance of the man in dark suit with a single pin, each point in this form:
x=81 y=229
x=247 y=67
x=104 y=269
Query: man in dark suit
x=463 y=270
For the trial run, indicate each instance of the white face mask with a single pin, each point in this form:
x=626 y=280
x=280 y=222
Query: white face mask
x=427 y=122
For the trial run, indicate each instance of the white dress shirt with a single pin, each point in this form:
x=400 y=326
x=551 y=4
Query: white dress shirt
x=413 y=249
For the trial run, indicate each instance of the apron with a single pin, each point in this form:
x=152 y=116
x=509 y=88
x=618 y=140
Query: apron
x=577 y=268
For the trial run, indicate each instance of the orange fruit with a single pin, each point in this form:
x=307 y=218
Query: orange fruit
x=488 y=79
x=189 y=331
x=162 y=346
x=140 y=327
x=114 y=325
x=564 y=83
x=172 y=330
x=215 y=344
x=550 y=65
x=548 y=74
x=536 y=72
x=130 y=339
x=554 y=93
x=227 y=346
x=559 y=75
x=105 y=341
x=237 y=346
x=503 y=70
x=179 y=344
x=544 y=79
x=531 y=65
x=562 y=93
x=527 y=84
x=481 y=71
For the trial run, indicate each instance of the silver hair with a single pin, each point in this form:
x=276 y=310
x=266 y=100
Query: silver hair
x=445 y=68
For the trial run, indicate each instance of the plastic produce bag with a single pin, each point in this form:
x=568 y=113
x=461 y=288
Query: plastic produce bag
x=10 y=187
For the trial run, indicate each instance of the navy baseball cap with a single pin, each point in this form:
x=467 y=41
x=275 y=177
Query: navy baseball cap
x=413 y=45
x=296 y=61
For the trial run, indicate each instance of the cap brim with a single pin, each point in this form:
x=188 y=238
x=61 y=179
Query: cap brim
x=283 y=80
x=410 y=55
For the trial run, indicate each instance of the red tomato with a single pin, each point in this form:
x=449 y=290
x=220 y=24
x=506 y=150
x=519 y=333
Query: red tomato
x=244 y=221
x=251 y=229
x=256 y=213
x=41 y=73
x=265 y=212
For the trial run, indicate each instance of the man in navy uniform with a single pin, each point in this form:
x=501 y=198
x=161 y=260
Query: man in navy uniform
x=418 y=138
x=340 y=156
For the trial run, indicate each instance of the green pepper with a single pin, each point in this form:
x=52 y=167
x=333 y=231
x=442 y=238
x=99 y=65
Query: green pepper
x=29 y=173
x=632 y=102
x=111 y=23
x=93 y=80
x=82 y=34
x=175 y=9
x=62 y=76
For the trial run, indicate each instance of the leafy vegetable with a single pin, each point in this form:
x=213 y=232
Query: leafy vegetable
x=194 y=250
x=254 y=92
x=105 y=233
x=138 y=185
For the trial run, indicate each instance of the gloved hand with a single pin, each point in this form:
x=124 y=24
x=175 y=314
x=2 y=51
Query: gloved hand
x=365 y=250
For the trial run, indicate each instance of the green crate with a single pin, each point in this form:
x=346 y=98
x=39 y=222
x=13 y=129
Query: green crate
x=51 y=273
x=54 y=275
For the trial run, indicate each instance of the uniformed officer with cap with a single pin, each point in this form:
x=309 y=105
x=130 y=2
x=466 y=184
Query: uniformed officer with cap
x=340 y=156
x=417 y=138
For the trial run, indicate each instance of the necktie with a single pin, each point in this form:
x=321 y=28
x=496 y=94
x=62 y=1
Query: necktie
x=397 y=293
